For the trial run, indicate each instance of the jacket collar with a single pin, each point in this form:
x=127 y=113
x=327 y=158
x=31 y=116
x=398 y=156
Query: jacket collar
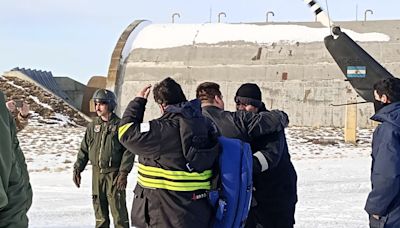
x=389 y=113
x=112 y=119
x=188 y=109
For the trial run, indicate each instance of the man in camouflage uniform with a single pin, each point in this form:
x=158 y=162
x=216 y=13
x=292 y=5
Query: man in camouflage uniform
x=15 y=189
x=111 y=162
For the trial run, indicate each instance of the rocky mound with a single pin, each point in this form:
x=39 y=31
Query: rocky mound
x=45 y=107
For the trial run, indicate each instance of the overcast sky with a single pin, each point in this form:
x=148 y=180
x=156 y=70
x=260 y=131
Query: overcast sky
x=75 y=38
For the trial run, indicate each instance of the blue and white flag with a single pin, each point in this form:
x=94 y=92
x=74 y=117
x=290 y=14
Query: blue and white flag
x=356 y=71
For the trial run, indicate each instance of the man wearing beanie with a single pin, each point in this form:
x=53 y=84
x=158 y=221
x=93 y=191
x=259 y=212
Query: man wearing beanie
x=275 y=192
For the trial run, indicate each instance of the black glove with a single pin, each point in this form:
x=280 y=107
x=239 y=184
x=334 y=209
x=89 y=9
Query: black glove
x=121 y=180
x=77 y=177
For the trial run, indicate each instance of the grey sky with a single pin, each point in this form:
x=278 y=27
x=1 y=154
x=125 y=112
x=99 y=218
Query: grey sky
x=76 y=37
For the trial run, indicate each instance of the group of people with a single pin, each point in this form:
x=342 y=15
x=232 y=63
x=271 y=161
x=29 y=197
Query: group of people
x=178 y=152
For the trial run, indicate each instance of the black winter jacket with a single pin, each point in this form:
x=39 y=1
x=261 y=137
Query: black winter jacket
x=277 y=186
x=265 y=133
x=170 y=142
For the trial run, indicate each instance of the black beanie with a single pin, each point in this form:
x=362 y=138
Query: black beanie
x=249 y=90
x=249 y=93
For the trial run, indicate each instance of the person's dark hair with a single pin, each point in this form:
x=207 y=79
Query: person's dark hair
x=168 y=92
x=390 y=87
x=207 y=91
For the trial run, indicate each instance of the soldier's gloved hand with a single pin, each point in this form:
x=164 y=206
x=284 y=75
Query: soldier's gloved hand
x=77 y=177
x=121 y=180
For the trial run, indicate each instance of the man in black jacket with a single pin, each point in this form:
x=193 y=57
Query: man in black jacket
x=249 y=127
x=176 y=154
x=275 y=188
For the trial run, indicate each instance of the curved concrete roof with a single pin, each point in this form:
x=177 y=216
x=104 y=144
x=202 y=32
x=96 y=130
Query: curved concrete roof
x=287 y=60
x=121 y=51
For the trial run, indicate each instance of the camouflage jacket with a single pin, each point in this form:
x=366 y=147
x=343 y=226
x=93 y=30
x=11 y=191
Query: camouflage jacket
x=101 y=147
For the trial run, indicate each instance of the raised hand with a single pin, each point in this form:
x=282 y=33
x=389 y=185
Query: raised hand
x=144 y=93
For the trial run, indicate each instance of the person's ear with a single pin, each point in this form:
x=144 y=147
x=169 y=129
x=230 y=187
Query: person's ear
x=162 y=108
x=219 y=102
x=217 y=99
x=384 y=99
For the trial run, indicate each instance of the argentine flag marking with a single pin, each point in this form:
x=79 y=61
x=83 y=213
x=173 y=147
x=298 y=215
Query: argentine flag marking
x=356 y=71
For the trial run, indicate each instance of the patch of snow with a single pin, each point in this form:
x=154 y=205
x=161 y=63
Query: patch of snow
x=333 y=177
x=175 y=35
x=16 y=86
x=65 y=120
x=40 y=103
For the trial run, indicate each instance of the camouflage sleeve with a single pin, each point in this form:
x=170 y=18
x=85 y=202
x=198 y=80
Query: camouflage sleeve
x=128 y=158
x=20 y=158
x=83 y=154
x=5 y=156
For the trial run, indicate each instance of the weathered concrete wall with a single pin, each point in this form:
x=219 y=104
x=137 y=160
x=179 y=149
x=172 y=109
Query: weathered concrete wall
x=73 y=89
x=300 y=78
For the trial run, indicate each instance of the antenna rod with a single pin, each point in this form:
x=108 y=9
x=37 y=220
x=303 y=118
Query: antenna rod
x=361 y=102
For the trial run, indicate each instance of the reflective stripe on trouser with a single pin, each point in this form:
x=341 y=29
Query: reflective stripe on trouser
x=105 y=197
x=153 y=177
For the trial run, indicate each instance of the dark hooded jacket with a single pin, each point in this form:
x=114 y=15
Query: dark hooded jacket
x=384 y=199
x=277 y=186
x=180 y=140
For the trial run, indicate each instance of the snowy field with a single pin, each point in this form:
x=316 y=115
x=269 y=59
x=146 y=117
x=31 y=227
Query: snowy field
x=333 y=177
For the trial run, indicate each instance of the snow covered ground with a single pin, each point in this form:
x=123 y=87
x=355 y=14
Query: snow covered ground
x=333 y=177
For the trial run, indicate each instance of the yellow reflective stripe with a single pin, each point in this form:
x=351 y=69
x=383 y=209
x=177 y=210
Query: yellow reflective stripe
x=173 y=186
x=174 y=175
x=123 y=129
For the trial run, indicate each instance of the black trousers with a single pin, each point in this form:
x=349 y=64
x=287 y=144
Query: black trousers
x=262 y=217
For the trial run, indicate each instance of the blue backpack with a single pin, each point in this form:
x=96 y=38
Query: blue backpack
x=232 y=198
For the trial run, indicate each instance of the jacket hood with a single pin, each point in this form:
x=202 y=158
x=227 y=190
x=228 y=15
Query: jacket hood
x=389 y=113
x=189 y=109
